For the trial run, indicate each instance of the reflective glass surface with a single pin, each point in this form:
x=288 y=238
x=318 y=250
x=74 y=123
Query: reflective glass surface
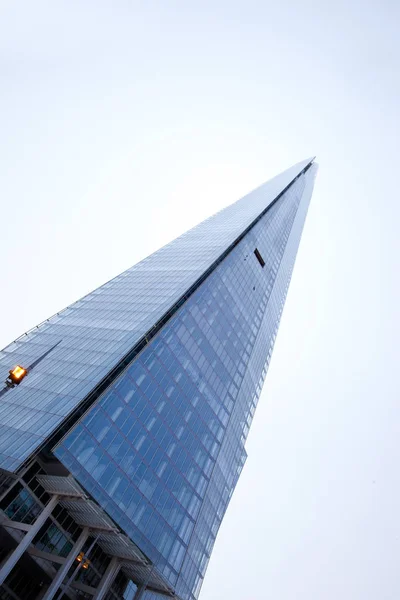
x=163 y=447
x=92 y=335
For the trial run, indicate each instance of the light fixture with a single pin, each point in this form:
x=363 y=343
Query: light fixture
x=16 y=375
x=81 y=558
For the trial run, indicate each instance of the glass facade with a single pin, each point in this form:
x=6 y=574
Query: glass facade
x=161 y=448
x=96 y=332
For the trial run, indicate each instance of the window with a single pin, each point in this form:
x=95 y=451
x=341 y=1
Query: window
x=259 y=257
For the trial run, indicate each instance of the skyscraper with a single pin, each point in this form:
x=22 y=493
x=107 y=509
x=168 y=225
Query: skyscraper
x=124 y=417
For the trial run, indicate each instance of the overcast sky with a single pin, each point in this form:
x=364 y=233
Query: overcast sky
x=122 y=124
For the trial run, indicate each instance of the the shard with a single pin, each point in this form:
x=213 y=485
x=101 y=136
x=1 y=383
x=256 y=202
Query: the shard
x=123 y=418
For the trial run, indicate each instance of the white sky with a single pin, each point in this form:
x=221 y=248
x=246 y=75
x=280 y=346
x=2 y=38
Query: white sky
x=122 y=124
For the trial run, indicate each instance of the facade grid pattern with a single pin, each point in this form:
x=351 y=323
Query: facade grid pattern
x=144 y=390
x=163 y=448
x=97 y=331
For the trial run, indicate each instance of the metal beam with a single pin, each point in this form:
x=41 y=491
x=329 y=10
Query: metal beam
x=60 y=560
x=107 y=579
x=88 y=589
x=16 y=525
x=27 y=539
x=59 y=578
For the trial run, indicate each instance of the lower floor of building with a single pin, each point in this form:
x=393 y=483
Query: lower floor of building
x=56 y=543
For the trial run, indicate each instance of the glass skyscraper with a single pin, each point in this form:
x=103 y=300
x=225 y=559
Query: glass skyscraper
x=124 y=417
